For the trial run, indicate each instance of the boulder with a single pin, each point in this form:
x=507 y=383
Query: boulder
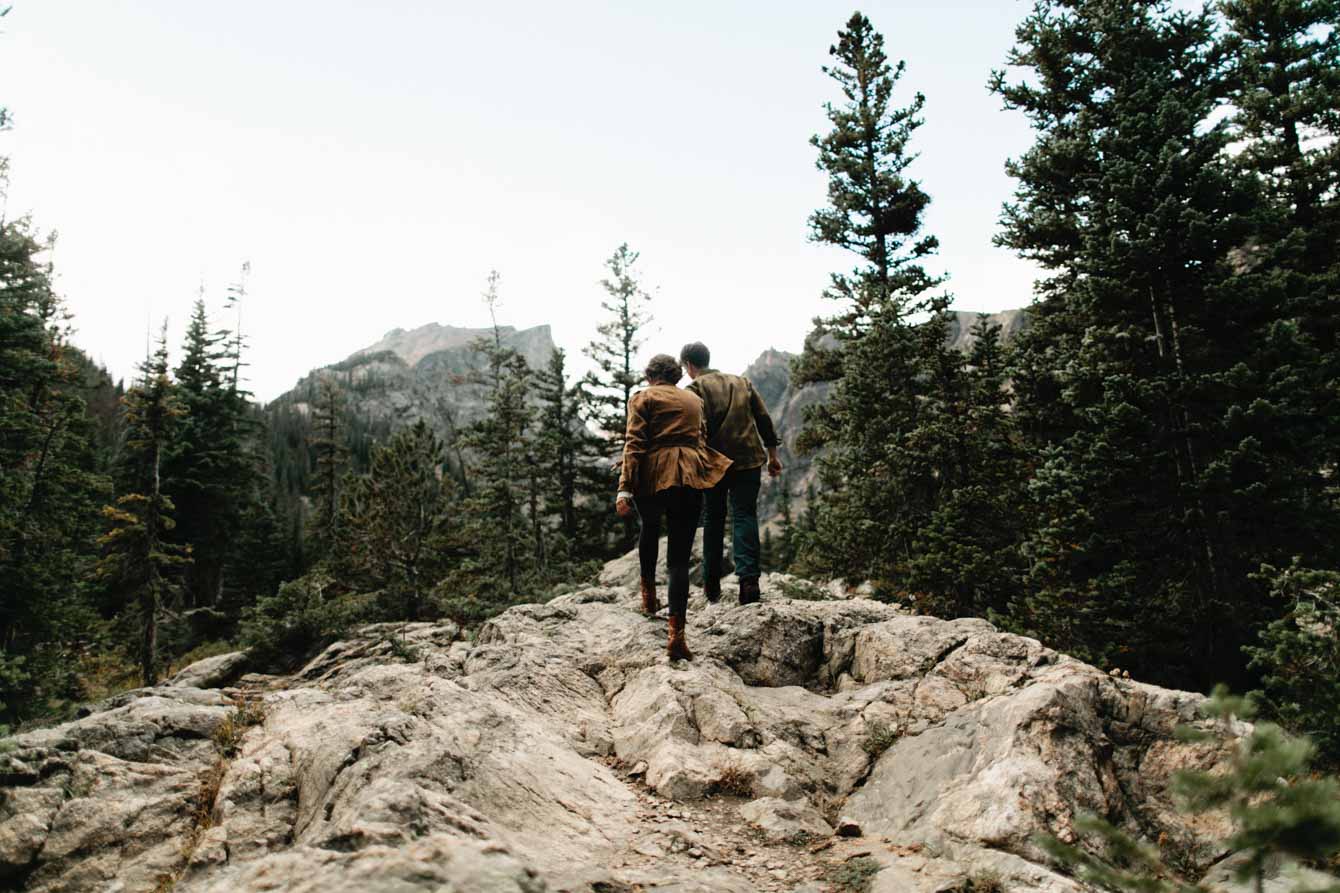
x=785 y=819
x=211 y=672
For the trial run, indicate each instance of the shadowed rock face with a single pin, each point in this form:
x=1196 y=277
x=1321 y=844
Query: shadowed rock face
x=431 y=373
x=533 y=757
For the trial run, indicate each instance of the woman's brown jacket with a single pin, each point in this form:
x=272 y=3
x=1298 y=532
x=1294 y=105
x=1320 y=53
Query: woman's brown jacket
x=666 y=443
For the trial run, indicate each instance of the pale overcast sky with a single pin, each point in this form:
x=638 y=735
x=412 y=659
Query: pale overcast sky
x=374 y=161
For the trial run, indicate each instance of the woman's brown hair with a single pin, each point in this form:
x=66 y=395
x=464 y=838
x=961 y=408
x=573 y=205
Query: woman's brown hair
x=664 y=368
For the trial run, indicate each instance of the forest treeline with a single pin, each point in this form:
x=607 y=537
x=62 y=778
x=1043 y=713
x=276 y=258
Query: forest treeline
x=1145 y=478
x=149 y=525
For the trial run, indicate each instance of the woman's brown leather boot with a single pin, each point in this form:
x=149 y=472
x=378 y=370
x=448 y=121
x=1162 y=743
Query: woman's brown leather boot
x=677 y=649
x=649 y=603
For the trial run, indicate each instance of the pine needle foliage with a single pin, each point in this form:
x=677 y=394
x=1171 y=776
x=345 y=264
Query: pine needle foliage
x=615 y=352
x=327 y=444
x=1280 y=809
x=1299 y=656
x=572 y=471
x=139 y=557
x=1169 y=398
x=51 y=483
x=911 y=428
x=399 y=526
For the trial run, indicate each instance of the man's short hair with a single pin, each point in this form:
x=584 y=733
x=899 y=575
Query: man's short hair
x=697 y=354
x=664 y=368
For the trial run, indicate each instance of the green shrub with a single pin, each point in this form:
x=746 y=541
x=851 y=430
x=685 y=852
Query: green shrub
x=984 y=881
x=1278 y=806
x=1299 y=657
x=804 y=590
x=854 y=875
x=305 y=613
x=879 y=737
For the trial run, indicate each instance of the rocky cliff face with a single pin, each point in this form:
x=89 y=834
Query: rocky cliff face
x=429 y=373
x=771 y=375
x=816 y=737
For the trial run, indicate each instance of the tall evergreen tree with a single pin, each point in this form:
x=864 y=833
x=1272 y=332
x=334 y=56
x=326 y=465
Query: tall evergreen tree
x=570 y=460
x=50 y=484
x=966 y=557
x=1285 y=77
x=786 y=525
x=504 y=562
x=327 y=443
x=615 y=352
x=138 y=555
x=1142 y=382
x=888 y=460
x=209 y=468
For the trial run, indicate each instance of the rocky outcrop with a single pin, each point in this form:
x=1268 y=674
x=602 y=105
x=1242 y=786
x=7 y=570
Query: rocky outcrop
x=557 y=749
x=961 y=323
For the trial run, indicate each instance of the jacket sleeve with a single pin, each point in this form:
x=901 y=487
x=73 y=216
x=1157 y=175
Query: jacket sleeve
x=702 y=423
x=634 y=445
x=762 y=418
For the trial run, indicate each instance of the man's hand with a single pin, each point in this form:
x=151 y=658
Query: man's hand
x=624 y=506
x=774 y=464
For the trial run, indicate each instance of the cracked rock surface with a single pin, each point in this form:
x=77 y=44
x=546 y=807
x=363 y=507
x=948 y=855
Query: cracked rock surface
x=560 y=751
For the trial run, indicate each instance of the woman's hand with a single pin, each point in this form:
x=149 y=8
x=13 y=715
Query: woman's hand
x=624 y=506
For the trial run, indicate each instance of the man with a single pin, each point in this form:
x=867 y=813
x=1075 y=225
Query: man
x=738 y=425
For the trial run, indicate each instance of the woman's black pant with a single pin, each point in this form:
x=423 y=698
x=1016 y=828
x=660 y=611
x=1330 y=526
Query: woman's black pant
x=681 y=507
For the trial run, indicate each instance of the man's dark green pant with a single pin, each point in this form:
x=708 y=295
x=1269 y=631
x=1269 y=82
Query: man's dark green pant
x=740 y=488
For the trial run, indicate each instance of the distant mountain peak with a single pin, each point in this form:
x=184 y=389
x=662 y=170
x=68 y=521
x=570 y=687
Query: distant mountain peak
x=412 y=345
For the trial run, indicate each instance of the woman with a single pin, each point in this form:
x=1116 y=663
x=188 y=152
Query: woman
x=666 y=466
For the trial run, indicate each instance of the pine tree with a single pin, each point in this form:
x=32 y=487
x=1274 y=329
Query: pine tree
x=1299 y=656
x=267 y=551
x=1284 y=77
x=767 y=551
x=966 y=558
x=569 y=458
x=886 y=462
x=327 y=443
x=209 y=470
x=138 y=555
x=50 y=483
x=397 y=528
x=615 y=353
x=1142 y=383
x=496 y=519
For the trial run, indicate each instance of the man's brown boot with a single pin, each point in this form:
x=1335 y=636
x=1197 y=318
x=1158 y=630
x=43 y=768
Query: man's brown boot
x=712 y=589
x=677 y=649
x=649 y=603
x=749 y=593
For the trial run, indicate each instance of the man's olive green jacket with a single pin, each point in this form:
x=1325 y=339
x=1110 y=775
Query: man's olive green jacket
x=738 y=423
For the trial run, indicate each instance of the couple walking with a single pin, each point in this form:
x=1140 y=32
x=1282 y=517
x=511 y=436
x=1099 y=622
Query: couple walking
x=704 y=443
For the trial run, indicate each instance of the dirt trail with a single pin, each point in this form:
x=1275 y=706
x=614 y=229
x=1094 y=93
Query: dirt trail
x=710 y=835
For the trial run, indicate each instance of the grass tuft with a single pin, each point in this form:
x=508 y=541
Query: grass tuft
x=853 y=876
x=734 y=781
x=879 y=737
